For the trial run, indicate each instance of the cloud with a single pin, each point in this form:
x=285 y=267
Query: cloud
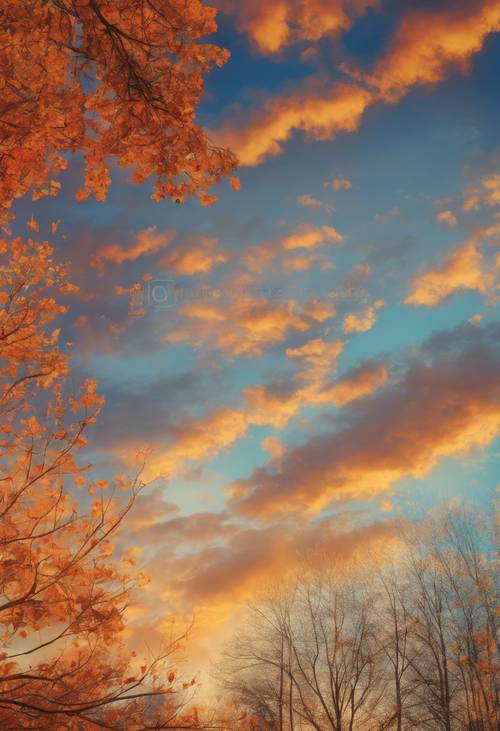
x=447 y=217
x=175 y=438
x=303 y=239
x=271 y=27
x=484 y=193
x=255 y=557
x=274 y=446
x=198 y=440
x=427 y=44
x=318 y=355
x=215 y=565
x=311 y=202
x=423 y=49
x=490 y=231
x=443 y=406
x=491 y=186
x=360 y=382
x=303 y=263
x=194 y=255
x=248 y=327
x=310 y=237
x=338 y=183
x=275 y=404
x=461 y=268
x=363 y=321
x=322 y=110
x=147 y=242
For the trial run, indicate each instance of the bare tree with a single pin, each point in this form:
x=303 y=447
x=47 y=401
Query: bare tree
x=454 y=608
x=311 y=657
x=396 y=642
x=413 y=647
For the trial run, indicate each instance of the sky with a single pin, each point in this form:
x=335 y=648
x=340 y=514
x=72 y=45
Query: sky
x=315 y=359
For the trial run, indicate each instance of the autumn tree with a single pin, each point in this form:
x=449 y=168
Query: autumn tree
x=118 y=81
x=63 y=589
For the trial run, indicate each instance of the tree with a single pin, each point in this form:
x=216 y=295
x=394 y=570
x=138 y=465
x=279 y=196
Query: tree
x=414 y=648
x=395 y=638
x=114 y=79
x=453 y=569
x=63 y=595
x=311 y=658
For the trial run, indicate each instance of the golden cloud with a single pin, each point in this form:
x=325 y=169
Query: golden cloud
x=321 y=112
x=447 y=217
x=194 y=255
x=440 y=410
x=147 y=242
x=273 y=26
x=462 y=268
x=425 y=46
x=428 y=43
x=363 y=321
x=248 y=327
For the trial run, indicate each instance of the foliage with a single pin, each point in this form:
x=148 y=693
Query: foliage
x=62 y=594
x=115 y=79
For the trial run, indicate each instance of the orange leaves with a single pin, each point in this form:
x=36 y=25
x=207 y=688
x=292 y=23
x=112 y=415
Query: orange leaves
x=68 y=288
x=139 y=111
x=32 y=223
x=143 y=579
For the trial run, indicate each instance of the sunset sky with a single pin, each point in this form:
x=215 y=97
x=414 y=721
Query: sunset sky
x=316 y=357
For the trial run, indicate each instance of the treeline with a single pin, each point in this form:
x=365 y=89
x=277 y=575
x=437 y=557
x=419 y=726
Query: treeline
x=409 y=642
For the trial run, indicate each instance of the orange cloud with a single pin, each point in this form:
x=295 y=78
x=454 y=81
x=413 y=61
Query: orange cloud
x=310 y=237
x=273 y=404
x=462 y=268
x=258 y=556
x=361 y=382
x=491 y=186
x=317 y=354
x=428 y=43
x=447 y=217
x=274 y=446
x=304 y=237
x=195 y=255
x=309 y=201
x=423 y=49
x=484 y=193
x=247 y=327
x=277 y=403
x=273 y=26
x=198 y=440
x=339 y=183
x=442 y=409
x=303 y=263
x=365 y=320
x=147 y=242
x=223 y=565
x=176 y=441
x=321 y=112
